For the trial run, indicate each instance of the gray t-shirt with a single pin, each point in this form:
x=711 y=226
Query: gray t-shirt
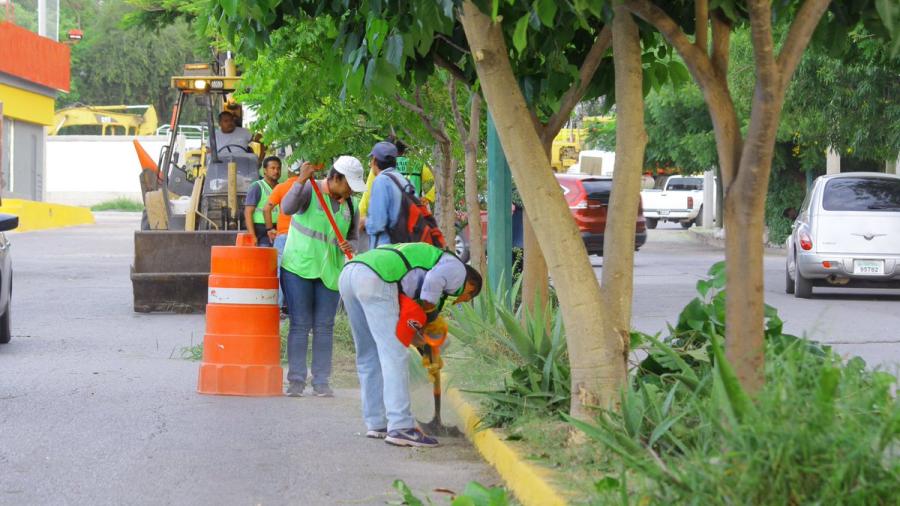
x=298 y=198
x=238 y=137
x=446 y=277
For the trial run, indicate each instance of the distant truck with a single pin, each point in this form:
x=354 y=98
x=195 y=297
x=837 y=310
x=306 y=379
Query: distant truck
x=680 y=199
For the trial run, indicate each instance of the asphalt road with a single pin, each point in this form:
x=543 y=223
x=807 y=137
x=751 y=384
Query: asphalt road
x=97 y=407
x=863 y=323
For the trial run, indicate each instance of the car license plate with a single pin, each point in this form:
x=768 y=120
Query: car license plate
x=663 y=213
x=868 y=267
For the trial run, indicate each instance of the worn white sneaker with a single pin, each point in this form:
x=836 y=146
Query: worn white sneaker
x=377 y=433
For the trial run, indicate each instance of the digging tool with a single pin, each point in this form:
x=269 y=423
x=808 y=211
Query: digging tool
x=327 y=209
x=431 y=359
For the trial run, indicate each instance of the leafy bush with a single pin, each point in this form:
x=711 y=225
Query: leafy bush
x=475 y=494
x=820 y=432
x=119 y=204
x=534 y=344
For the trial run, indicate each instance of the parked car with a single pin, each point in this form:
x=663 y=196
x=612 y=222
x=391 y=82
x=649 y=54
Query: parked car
x=7 y=222
x=846 y=234
x=680 y=199
x=588 y=199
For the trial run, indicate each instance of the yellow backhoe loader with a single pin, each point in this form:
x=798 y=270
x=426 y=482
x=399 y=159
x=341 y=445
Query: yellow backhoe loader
x=192 y=201
x=111 y=119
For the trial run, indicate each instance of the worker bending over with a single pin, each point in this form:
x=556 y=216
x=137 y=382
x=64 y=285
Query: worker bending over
x=257 y=197
x=370 y=286
x=310 y=266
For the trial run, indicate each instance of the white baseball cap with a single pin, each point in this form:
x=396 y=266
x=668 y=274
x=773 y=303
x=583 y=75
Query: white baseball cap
x=352 y=169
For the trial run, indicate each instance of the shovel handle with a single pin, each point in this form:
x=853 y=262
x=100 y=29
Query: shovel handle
x=327 y=209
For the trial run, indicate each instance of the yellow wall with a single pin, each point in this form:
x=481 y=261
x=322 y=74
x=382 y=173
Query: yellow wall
x=26 y=106
x=40 y=215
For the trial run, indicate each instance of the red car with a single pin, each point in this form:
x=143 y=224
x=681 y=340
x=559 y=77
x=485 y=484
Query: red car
x=588 y=199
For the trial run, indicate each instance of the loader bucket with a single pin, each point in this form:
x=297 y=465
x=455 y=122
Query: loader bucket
x=171 y=269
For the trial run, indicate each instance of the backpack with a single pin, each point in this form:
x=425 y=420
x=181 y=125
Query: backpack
x=415 y=222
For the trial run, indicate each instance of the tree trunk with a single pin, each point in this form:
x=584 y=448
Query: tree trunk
x=535 y=276
x=444 y=176
x=631 y=139
x=473 y=204
x=597 y=365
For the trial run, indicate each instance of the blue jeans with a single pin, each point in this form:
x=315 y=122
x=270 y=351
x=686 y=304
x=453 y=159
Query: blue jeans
x=311 y=306
x=280 y=241
x=381 y=360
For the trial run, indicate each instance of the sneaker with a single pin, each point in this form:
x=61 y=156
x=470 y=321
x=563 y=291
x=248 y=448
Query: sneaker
x=323 y=390
x=410 y=437
x=295 y=389
x=377 y=433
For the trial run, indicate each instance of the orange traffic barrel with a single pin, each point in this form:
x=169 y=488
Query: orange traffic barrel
x=242 y=345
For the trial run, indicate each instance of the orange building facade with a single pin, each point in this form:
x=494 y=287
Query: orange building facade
x=33 y=70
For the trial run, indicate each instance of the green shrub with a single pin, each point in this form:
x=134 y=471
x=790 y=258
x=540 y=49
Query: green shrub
x=118 y=204
x=535 y=346
x=821 y=431
x=475 y=494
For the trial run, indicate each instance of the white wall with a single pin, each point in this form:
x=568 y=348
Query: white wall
x=84 y=170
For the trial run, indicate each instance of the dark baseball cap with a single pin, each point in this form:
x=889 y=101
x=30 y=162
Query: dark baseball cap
x=383 y=150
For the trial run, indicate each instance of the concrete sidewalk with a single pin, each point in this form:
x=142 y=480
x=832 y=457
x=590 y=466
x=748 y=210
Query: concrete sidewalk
x=97 y=407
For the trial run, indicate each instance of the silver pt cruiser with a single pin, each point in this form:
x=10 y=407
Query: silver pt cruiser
x=846 y=234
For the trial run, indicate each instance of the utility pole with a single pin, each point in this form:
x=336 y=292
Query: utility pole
x=499 y=244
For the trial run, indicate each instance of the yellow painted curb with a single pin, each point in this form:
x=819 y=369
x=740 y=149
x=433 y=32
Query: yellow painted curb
x=41 y=215
x=528 y=482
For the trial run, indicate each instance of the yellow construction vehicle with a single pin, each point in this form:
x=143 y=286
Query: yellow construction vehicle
x=569 y=142
x=111 y=119
x=192 y=201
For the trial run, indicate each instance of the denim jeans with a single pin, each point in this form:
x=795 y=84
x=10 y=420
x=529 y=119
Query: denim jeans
x=280 y=241
x=381 y=360
x=311 y=306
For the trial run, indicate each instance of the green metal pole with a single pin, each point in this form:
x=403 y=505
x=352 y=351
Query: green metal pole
x=499 y=244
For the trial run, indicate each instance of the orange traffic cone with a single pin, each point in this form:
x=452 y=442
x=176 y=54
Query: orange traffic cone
x=144 y=159
x=242 y=345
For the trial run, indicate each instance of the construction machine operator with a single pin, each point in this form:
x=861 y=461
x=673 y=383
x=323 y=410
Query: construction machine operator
x=234 y=140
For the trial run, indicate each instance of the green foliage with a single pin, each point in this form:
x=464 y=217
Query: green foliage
x=119 y=204
x=787 y=188
x=679 y=131
x=848 y=102
x=475 y=494
x=132 y=65
x=820 y=432
x=539 y=379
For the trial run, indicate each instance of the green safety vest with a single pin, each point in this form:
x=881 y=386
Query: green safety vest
x=264 y=191
x=392 y=261
x=412 y=170
x=312 y=250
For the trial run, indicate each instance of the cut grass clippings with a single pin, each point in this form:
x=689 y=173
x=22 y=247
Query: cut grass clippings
x=119 y=204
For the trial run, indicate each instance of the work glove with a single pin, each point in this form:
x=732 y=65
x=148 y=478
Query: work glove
x=433 y=368
x=437 y=329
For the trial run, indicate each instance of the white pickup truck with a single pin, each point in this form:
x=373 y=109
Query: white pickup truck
x=680 y=199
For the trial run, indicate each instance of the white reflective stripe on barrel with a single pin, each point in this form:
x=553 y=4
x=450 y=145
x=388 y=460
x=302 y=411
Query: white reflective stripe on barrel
x=218 y=295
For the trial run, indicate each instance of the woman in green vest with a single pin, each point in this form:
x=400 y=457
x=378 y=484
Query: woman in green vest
x=370 y=286
x=310 y=266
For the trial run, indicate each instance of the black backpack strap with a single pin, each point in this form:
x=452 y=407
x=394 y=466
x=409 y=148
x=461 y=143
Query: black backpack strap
x=402 y=257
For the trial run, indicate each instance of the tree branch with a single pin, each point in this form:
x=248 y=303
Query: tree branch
x=721 y=39
x=763 y=45
x=701 y=18
x=801 y=31
x=576 y=91
x=454 y=70
x=457 y=116
x=437 y=132
x=696 y=60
